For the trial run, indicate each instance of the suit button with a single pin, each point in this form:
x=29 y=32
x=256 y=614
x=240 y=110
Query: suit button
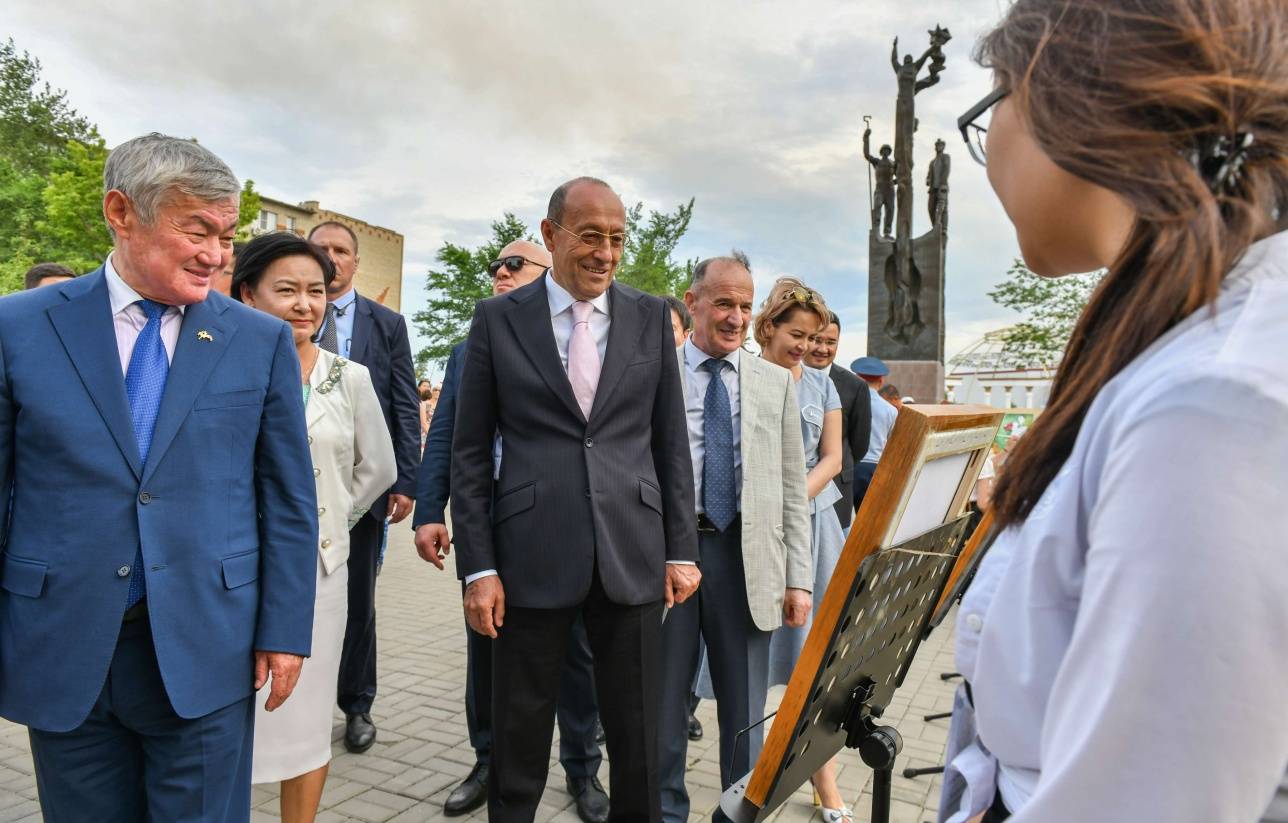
x=326 y=544
x=317 y=472
x=310 y=440
x=590 y=442
x=124 y=571
x=321 y=510
x=145 y=498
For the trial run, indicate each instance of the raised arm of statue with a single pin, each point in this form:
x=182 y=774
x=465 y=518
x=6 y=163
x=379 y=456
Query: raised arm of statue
x=894 y=56
x=867 y=146
x=922 y=60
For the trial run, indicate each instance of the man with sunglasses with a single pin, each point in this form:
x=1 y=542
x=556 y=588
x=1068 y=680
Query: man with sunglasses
x=592 y=511
x=518 y=264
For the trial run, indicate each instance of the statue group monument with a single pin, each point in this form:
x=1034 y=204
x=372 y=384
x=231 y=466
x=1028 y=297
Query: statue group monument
x=906 y=274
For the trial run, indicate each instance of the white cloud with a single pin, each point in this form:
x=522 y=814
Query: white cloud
x=434 y=118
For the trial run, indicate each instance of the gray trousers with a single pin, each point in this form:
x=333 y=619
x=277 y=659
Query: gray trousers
x=738 y=657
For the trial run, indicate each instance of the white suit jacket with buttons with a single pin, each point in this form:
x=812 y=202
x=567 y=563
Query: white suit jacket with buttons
x=353 y=455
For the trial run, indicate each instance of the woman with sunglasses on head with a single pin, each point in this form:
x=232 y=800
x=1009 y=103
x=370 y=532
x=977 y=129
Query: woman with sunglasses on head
x=789 y=320
x=353 y=462
x=1123 y=637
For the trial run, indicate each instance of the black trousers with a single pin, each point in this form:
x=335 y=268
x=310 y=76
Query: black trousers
x=862 y=479
x=576 y=709
x=357 y=686
x=997 y=813
x=528 y=658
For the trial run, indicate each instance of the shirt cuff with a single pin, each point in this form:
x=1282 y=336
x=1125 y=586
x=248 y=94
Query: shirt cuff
x=681 y=563
x=470 y=578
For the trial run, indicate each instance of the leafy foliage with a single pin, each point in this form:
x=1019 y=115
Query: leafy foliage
x=646 y=260
x=1051 y=306
x=460 y=281
x=72 y=231
x=247 y=210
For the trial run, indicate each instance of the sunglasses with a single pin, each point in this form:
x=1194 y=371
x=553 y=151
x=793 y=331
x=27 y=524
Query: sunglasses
x=802 y=295
x=974 y=124
x=512 y=264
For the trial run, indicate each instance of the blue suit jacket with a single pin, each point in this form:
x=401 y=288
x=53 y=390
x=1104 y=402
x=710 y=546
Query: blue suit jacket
x=433 y=480
x=225 y=509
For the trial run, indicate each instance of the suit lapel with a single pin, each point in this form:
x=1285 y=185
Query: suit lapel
x=195 y=355
x=316 y=406
x=624 y=331
x=84 y=324
x=530 y=319
x=362 y=325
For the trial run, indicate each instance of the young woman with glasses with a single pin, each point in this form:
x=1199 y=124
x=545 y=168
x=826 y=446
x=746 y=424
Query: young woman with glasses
x=1123 y=638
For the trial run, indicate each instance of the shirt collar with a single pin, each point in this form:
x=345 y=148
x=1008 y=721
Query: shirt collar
x=695 y=357
x=119 y=293
x=560 y=300
x=346 y=300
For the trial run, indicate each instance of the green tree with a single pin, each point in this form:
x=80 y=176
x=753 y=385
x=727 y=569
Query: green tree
x=459 y=282
x=72 y=231
x=1051 y=307
x=646 y=260
x=247 y=210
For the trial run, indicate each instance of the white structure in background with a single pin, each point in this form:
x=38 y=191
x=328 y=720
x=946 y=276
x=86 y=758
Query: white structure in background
x=982 y=373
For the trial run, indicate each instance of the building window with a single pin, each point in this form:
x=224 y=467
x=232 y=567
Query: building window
x=267 y=220
x=290 y=223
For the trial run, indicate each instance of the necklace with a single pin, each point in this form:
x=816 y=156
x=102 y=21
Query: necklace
x=312 y=364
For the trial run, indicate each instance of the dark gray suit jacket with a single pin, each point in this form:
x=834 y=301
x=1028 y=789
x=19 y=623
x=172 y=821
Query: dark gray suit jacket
x=856 y=419
x=612 y=495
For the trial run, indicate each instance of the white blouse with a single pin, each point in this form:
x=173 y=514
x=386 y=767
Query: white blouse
x=1126 y=644
x=353 y=455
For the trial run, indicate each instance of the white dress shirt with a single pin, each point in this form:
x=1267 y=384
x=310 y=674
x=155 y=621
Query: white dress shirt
x=345 y=310
x=1125 y=643
x=883 y=417
x=128 y=318
x=695 y=394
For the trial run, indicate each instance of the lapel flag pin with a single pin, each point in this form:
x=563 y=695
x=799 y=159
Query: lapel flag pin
x=205 y=335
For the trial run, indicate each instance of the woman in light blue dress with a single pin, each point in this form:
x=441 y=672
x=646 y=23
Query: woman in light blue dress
x=789 y=320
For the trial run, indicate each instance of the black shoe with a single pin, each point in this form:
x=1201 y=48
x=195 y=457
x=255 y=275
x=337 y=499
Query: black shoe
x=359 y=732
x=470 y=794
x=695 y=728
x=592 y=801
x=600 y=737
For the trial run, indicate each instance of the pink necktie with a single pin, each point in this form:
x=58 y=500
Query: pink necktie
x=583 y=357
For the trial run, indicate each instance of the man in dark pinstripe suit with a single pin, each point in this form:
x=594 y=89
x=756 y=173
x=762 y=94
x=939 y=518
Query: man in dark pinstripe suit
x=593 y=506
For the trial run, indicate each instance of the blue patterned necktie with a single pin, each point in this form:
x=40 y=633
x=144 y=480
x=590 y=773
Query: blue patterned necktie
x=144 y=384
x=719 y=496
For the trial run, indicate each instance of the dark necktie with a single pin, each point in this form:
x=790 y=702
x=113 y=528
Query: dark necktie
x=328 y=340
x=719 y=494
x=144 y=386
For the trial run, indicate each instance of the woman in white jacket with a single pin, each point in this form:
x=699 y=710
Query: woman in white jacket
x=353 y=462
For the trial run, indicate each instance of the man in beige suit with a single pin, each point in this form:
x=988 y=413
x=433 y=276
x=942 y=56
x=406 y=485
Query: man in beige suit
x=753 y=528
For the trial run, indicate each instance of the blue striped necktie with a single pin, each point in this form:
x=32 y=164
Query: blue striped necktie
x=144 y=385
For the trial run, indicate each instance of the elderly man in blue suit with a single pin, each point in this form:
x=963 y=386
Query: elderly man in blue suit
x=157 y=510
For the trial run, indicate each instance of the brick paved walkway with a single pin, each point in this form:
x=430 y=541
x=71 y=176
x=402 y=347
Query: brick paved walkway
x=422 y=750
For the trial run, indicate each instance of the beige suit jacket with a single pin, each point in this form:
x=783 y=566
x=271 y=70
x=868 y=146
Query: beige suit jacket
x=776 y=551
x=353 y=455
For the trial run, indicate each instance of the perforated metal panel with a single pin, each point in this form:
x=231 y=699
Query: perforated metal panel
x=877 y=635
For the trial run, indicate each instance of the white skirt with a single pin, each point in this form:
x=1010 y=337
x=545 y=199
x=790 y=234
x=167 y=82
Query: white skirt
x=295 y=738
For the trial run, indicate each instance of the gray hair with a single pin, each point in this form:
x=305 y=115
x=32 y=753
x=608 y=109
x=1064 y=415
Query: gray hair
x=735 y=257
x=148 y=169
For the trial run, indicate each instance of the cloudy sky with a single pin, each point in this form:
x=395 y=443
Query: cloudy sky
x=434 y=118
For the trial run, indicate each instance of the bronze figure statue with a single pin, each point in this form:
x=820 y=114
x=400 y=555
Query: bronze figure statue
x=937 y=183
x=884 y=170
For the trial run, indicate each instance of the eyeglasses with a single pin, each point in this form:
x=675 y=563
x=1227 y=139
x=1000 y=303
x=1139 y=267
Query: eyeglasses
x=513 y=264
x=974 y=123
x=595 y=239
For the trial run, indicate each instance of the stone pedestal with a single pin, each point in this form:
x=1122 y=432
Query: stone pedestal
x=923 y=289
x=923 y=380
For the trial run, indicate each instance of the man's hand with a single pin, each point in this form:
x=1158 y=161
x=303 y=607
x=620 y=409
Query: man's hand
x=796 y=606
x=285 y=669
x=399 y=508
x=681 y=582
x=433 y=543
x=485 y=605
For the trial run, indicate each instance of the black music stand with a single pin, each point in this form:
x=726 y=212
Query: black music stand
x=887 y=614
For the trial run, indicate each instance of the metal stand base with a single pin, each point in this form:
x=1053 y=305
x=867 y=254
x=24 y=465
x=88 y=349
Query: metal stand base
x=878 y=747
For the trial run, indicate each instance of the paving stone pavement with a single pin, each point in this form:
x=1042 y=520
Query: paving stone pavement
x=422 y=750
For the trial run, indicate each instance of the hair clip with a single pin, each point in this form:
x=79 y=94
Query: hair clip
x=1220 y=160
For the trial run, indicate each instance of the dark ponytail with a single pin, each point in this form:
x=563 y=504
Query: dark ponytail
x=1181 y=108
